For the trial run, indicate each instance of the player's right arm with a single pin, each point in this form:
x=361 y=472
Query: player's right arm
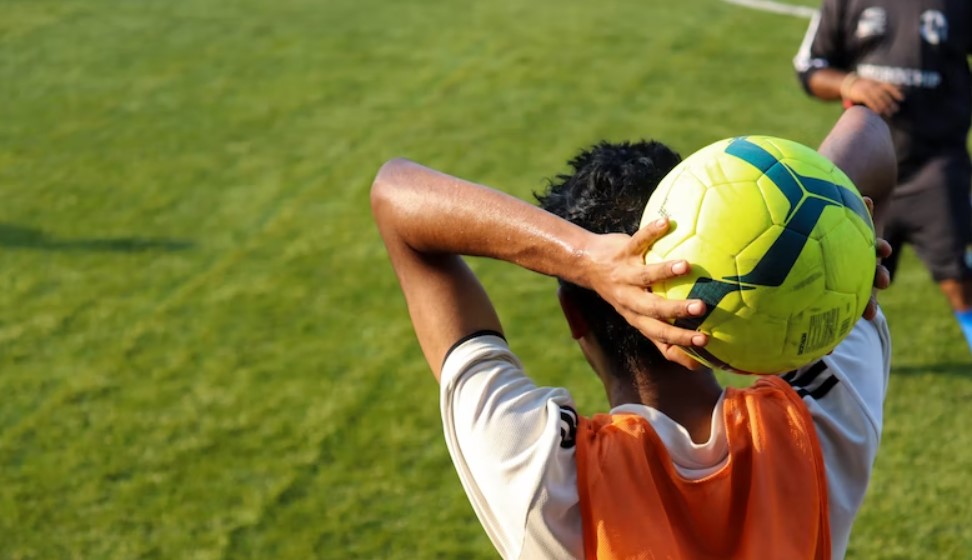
x=860 y=145
x=845 y=391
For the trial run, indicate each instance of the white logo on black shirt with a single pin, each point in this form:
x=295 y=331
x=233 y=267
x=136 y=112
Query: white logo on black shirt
x=933 y=27
x=872 y=23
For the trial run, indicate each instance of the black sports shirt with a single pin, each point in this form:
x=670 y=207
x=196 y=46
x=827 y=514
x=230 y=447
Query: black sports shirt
x=920 y=45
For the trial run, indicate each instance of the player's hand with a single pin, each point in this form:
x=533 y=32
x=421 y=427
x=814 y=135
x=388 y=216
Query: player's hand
x=884 y=99
x=882 y=277
x=622 y=279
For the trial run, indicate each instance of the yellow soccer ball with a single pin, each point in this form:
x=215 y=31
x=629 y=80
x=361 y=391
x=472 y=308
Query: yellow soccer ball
x=781 y=247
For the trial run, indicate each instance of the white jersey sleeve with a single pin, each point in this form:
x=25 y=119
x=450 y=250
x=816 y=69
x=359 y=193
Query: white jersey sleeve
x=845 y=393
x=512 y=444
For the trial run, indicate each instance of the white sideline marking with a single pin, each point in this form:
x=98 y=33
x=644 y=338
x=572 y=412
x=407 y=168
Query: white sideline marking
x=776 y=7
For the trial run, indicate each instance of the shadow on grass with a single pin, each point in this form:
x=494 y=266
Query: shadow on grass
x=18 y=237
x=955 y=369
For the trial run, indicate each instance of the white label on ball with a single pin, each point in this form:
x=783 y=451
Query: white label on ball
x=822 y=331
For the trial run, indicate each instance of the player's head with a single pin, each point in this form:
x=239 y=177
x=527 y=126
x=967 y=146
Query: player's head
x=607 y=193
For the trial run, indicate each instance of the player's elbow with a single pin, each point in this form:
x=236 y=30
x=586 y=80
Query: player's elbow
x=383 y=191
x=885 y=162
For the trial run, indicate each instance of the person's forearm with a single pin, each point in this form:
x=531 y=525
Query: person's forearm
x=427 y=219
x=827 y=83
x=832 y=84
x=434 y=213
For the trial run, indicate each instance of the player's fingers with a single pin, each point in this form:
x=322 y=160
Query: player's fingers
x=883 y=248
x=869 y=202
x=653 y=306
x=647 y=275
x=882 y=277
x=643 y=239
x=870 y=311
x=890 y=101
x=873 y=103
x=884 y=105
x=665 y=333
x=893 y=91
x=679 y=356
x=879 y=101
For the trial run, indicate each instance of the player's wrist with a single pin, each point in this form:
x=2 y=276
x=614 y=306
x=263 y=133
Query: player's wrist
x=586 y=262
x=847 y=86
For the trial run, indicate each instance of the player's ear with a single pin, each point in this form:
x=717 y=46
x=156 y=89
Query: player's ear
x=575 y=319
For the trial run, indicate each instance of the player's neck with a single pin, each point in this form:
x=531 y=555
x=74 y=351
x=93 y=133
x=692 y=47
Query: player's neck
x=686 y=397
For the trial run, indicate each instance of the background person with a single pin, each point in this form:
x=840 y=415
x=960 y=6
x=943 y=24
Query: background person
x=908 y=61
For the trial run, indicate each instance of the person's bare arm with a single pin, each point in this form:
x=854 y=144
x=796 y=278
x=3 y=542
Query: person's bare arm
x=860 y=145
x=832 y=84
x=428 y=219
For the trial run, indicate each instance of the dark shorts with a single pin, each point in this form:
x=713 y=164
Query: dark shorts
x=934 y=216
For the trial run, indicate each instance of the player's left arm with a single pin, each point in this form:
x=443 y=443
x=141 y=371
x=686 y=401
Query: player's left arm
x=860 y=145
x=428 y=219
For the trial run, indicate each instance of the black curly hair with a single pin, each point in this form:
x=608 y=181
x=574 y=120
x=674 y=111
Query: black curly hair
x=607 y=193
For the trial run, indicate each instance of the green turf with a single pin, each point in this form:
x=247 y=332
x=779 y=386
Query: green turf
x=203 y=353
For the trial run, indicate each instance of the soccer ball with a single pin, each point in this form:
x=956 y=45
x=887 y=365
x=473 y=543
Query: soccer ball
x=782 y=250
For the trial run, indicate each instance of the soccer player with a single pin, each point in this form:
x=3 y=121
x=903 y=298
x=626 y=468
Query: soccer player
x=908 y=61
x=681 y=467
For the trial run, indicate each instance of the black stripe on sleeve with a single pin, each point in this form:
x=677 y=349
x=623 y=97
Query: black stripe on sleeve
x=467 y=338
x=811 y=375
x=821 y=391
x=568 y=427
x=807 y=377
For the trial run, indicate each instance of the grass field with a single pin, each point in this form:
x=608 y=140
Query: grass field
x=203 y=353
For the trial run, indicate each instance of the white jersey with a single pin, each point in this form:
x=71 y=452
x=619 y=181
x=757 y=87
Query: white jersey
x=512 y=442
